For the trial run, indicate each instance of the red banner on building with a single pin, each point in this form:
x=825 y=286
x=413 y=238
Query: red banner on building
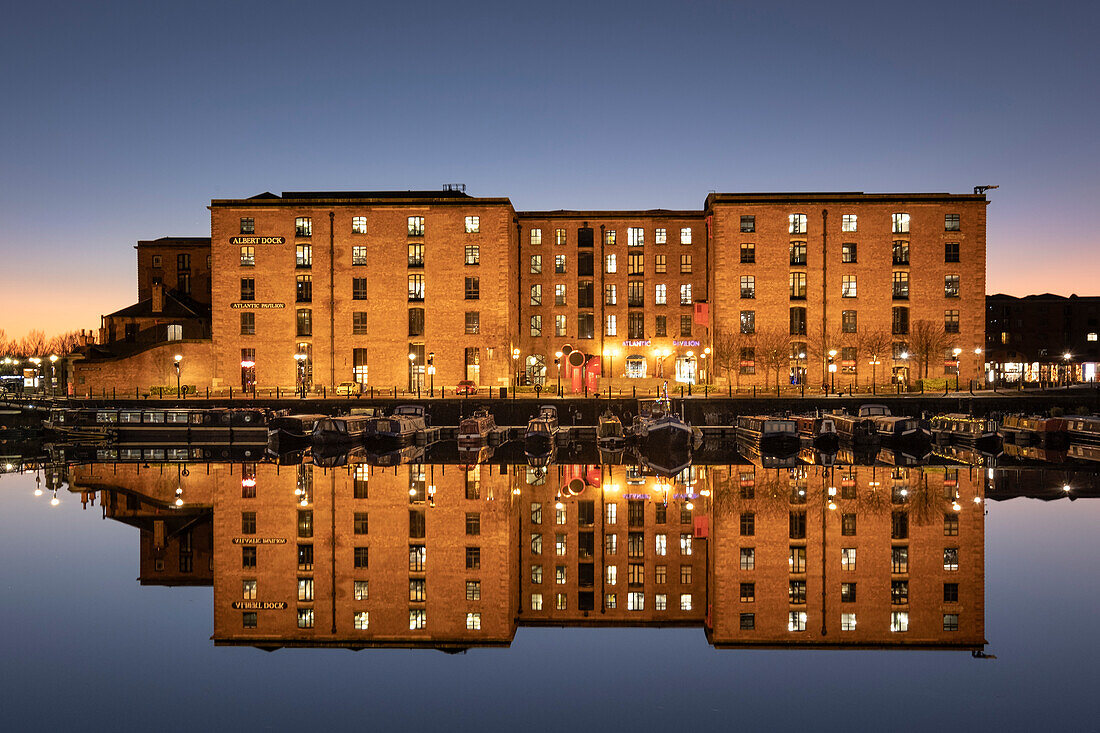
x=702 y=314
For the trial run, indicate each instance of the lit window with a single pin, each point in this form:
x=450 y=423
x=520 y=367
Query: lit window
x=748 y=286
x=685 y=601
x=559 y=236
x=418 y=619
x=748 y=558
x=303 y=227
x=559 y=294
x=536 y=236
x=635 y=237
x=610 y=544
x=559 y=325
x=796 y=223
x=848 y=223
x=951 y=622
x=416 y=226
x=685 y=294
x=609 y=600
x=248 y=226
x=536 y=574
x=362 y=620
x=536 y=325
x=473 y=620
x=358 y=225
x=360 y=590
x=473 y=224
x=635 y=601
x=685 y=235
x=358 y=255
x=536 y=264
x=536 y=294
x=305 y=618
x=248 y=590
x=685 y=543
x=748 y=224
x=660 y=602
x=901 y=224
x=848 y=286
x=950 y=558
x=847 y=622
x=660 y=236
x=685 y=264
x=848 y=252
x=1091 y=336
x=303 y=255
x=748 y=253
x=473 y=254
x=559 y=544
x=796 y=621
x=559 y=264
x=661 y=544
x=611 y=328
x=609 y=237
x=899 y=621
x=659 y=294
x=951 y=286
x=560 y=601
x=536 y=601
x=248 y=256
x=559 y=574
x=951 y=223
x=848 y=558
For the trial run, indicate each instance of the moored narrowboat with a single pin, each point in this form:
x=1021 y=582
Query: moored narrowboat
x=773 y=435
x=1083 y=429
x=542 y=432
x=338 y=430
x=474 y=430
x=609 y=432
x=162 y=425
x=1033 y=430
x=963 y=429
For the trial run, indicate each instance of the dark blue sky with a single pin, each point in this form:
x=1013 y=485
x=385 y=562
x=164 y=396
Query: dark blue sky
x=122 y=120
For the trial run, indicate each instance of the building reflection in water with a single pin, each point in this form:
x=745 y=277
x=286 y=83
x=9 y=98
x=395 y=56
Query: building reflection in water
x=452 y=557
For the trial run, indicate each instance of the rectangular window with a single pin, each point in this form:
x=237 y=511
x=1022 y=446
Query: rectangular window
x=303 y=255
x=685 y=235
x=685 y=294
x=585 y=264
x=473 y=254
x=609 y=237
x=473 y=322
x=901 y=252
x=304 y=322
x=685 y=326
x=559 y=264
x=848 y=321
x=473 y=558
x=635 y=237
x=900 y=320
x=305 y=618
x=536 y=236
x=660 y=265
x=796 y=223
x=559 y=236
x=416 y=321
x=559 y=294
x=635 y=297
x=848 y=222
x=660 y=326
x=358 y=225
x=303 y=289
x=848 y=558
x=360 y=557
x=536 y=294
x=248 y=288
x=901 y=224
x=899 y=559
x=659 y=296
x=559 y=325
x=359 y=288
x=472 y=288
x=748 y=524
x=473 y=224
x=660 y=236
x=686 y=545
x=901 y=286
x=248 y=557
x=951 y=321
x=899 y=525
x=748 y=286
x=248 y=225
x=610 y=264
x=899 y=592
x=248 y=522
x=685 y=264
x=536 y=264
x=748 y=321
x=358 y=255
x=611 y=326
x=748 y=253
x=950 y=592
x=248 y=324
x=951 y=286
x=951 y=223
x=586 y=325
x=303 y=227
x=847 y=286
x=798 y=285
x=418 y=556
x=305 y=589
x=950 y=558
x=748 y=224
x=635 y=263
x=748 y=558
x=950 y=251
x=847 y=622
x=899 y=621
x=798 y=253
x=610 y=293
x=416 y=226
x=847 y=592
x=796 y=592
x=848 y=252
x=798 y=322
x=248 y=256
x=416 y=287
x=796 y=621
x=848 y=525
x=951 y=525
x=536 y=325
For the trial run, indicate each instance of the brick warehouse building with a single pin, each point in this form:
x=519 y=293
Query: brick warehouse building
x=750 y=290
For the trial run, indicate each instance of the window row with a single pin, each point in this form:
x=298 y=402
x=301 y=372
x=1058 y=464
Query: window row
x=586 y=323
x=635 y=236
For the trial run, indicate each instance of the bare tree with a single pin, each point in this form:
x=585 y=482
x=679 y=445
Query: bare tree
x=34 y=343
x=876 y=345
x=927 y=340
x=726 y=352
x=821 y=343
x=773 y=352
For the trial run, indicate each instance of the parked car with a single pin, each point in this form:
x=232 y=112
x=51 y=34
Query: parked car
x=349 y=388
x=466 y=386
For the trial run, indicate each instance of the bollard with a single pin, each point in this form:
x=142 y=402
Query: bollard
x=754 y=391
x=276 y=391
x=729 y=389
x=230 y=391
x=706 y=390
x=633 y=392
x=372 y=391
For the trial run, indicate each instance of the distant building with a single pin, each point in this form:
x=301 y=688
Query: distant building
x=1046 y=338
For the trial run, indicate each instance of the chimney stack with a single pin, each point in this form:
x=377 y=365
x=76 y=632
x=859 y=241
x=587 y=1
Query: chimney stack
x=158 y=298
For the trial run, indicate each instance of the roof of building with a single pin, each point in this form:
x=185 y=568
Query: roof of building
x=623 y=214
x=837 y=197
x=176 y=305
x=450 y=194
x=175 y=242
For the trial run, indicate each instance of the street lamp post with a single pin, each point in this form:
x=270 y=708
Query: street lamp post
x=176 y=363
x=53 y=375
x=610 y=354
x=251 y=377
x=37 y=362
x=832 y=370
x=413 y=377
x=557 y=361
x=1068 y=364
x=978 y=359
x=515 y=372
x=706 y=366
x=431 y=373
x=956 y=351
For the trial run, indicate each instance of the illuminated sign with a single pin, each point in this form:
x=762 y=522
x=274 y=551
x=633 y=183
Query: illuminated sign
x=256 y=306
x=259 y=540
x=257 y=240
x=259 y=605
x=685 y=343
x=637 y=343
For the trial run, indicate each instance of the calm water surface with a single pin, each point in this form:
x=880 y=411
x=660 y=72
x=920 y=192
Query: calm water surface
x=86 y=646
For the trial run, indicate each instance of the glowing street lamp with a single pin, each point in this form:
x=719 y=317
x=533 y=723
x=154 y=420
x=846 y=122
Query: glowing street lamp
x=176 y=363
x=832 y=370
x=956 y=351
x=706 y=372
x=431 y=372
x=557 y=360
x=515 y=368
x=610 y=354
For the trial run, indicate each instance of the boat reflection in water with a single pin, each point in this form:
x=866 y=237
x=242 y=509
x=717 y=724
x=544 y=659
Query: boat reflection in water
x=453 y=556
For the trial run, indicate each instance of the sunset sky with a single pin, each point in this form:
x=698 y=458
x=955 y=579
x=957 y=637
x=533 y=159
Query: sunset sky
x=123 y=120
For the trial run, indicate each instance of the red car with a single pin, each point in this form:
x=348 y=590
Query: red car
x=466 y=386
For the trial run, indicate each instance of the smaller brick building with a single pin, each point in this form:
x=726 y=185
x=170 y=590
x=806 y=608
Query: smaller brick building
x=1047 y=339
